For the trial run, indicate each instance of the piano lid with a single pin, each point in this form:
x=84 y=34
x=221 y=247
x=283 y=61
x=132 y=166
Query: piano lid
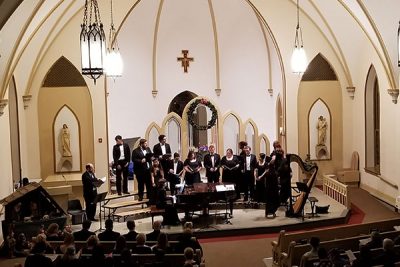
x=31 y=191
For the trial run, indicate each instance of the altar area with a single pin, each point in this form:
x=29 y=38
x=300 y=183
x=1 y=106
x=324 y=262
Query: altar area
x=249 y=220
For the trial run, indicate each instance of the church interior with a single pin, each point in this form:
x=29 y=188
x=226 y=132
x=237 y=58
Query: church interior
x=321 y=77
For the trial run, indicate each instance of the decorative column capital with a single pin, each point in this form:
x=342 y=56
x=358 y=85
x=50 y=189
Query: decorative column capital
x=26 y=99
x=218 y=91
x=3 y=104
x=271 y=91
x=351 y=90
x=154 y=92
x=394 y=93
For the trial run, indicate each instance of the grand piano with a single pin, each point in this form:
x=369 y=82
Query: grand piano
x=200 y=195
x=29 y=209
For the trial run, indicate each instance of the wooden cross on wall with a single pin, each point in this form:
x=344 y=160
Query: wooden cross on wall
x=185 y=60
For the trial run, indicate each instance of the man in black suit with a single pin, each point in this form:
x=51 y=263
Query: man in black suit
x=90 y=183
x=249 y=164
x=109 y=234
x=161 y=149
x=212 y=164
x=122 y=157
x=131 y=235
x=153 y=236
x=141 y=157
x=174 y=172
x=84 y=234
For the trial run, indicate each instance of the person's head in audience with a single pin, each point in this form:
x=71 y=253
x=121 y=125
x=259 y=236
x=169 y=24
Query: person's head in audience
x=188 y=225
x=109 y=225
x=314 y=243
x=211 y=149
x=322 y=254
x=39 y=248
x=375 y=236
x=53 y=229
x=120 y=244
x=68 y=239
x=388 y=244
x=69 y=254
x=130 y=224
x=140 y=239
x=92 y=241
x=86 y=224
x=157 y=225
x=25 y=181
x=41 y=238
x=162 y=241
x=189 y=254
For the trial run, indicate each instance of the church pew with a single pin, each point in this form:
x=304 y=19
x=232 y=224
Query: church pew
x=284 y=239
x=108 y=246
x=296 y=251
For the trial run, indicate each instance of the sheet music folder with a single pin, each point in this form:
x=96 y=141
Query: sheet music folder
x=223 y=187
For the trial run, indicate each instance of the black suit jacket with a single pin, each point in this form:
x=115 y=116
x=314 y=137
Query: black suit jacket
x=137 y=156
x=108 y=236
x=208 y=164
x=158 y=152
x=117 y=153
x=170 y=165
x=253 y=162
x=82 y=235
x=89 y=187
x=131 y=236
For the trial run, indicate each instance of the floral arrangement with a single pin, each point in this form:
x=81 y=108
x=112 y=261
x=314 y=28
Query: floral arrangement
x=192 y=109
x=203 y=148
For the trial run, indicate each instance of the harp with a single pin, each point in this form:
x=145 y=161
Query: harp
x=310 y=169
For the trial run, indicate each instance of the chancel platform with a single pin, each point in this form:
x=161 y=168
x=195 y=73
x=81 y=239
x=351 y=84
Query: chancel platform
x=246 y=220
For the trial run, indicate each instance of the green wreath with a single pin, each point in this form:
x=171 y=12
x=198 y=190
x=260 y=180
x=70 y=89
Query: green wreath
x=192 y=109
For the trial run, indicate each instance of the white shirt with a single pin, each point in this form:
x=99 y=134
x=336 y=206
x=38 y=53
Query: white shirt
x=122 y=154
x=212 y=160
x=163 y=149
x=144 y=152
x=248 y=162
x=175 y=167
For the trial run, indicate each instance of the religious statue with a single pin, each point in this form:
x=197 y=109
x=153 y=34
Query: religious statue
x=322 y=126
x=65 y=141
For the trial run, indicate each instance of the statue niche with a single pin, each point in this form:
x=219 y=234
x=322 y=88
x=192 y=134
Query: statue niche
x=321 y=149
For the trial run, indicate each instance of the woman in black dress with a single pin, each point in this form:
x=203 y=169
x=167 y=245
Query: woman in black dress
x=259 y=173
x=157 y=174
x=230 y=170
x=192 y=167
x=170 y=217
x=272 y=189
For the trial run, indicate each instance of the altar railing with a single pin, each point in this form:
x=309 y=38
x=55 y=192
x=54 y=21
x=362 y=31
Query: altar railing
x=336 y=190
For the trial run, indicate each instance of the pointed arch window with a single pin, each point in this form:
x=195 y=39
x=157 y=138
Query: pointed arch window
x=372 y=123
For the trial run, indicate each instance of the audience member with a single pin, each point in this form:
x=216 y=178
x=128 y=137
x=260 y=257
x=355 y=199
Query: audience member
x=186 y=239
x=84 y=233
x=376 y=240
x=120 y=245
x=389 y=256
x=131 y=235
x=38 y=258
x=162 y=244
x=141 y=247
x=125 y=260
x=336 y=259
x=313 y=253
x=68 y=242
x=323 y=259
x=42 y=238
x=68 y=259
x=109 y=234
x=53 y=234
x=21 y=246
x=153 y=236
x=364 y=259
x=189 y=256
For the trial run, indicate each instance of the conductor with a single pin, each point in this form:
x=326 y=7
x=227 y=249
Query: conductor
x=90 y=184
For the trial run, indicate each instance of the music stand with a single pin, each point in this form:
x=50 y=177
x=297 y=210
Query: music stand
x=99 y=199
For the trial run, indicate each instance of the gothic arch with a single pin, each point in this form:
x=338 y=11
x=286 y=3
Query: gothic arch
x=152 y=133
x=180 y=101
x=264 y=138
x=63 y=74
x=319 y=69
x=255 y=142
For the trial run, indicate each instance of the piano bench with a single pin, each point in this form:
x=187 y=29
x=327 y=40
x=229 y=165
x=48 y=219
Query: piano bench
x=154 y=211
